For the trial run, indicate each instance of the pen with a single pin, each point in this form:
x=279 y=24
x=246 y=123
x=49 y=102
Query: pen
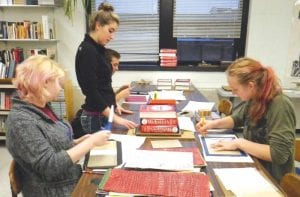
x=108 y=126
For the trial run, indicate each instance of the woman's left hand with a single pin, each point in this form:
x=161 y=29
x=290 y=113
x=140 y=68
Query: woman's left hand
x=225 y=145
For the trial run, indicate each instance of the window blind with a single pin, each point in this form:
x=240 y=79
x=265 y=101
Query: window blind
x=207 y=18
x=137 y=39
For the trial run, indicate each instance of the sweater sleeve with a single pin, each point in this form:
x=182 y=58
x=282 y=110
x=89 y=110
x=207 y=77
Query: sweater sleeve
x=29 y=145
x=281 y=126
x=238 y=116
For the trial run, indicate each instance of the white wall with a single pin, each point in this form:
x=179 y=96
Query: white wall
x=269 y=40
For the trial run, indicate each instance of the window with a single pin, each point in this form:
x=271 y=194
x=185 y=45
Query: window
x=137 y=39
x=210 y=32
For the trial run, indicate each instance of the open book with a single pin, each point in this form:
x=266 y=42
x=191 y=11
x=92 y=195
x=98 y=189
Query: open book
x=106 y=156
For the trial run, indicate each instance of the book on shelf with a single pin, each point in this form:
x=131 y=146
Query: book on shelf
x=158 y=183
x=159 y=121
x=168 y=57
x=170 y=128
x=158 y=111
x=106 y=156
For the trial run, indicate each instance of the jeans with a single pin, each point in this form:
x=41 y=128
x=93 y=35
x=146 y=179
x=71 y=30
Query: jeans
x=92 y=122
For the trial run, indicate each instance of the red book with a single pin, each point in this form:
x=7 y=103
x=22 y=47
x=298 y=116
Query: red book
x=159 y=128
x=158 y=111
x=168 y=51
x=162 y=102
x=142 y=99
x=159 y=121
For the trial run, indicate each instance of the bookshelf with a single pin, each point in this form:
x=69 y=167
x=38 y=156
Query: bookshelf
x=32 y=42
x=28 y=28
x=6 y=90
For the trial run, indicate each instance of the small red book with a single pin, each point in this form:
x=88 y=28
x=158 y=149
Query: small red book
x=159 y=121
x=159 y=128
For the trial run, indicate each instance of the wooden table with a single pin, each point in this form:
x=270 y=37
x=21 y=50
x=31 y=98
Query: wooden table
x=88 y=182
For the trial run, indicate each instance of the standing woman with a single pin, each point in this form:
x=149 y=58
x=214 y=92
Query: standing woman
x=40 y=142
x=267 y=117
x=94 y=72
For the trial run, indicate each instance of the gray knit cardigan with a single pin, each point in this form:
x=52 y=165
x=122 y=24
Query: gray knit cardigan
x=39 y=147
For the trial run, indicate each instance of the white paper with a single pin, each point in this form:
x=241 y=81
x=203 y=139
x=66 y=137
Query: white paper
x=168 y=94
x=246 y=182
x=186 y=123
x=196 y=106
x=129 y=144
x=163 y=160
x=223 y=158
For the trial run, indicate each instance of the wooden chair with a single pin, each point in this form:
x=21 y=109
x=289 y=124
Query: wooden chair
x=15 y=179
x=225 y=107
x=290 y=184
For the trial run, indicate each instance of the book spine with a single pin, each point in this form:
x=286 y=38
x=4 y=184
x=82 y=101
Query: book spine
x=159 y=128
x=159 y=121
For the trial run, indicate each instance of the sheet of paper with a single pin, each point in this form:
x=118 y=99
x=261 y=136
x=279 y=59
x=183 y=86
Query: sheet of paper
x=195 y=106
x=226 y=156
x=168 y=94
x=129 y=144
x=246 y=182
x=165 y=144
x=163 y=160
x=186 y=123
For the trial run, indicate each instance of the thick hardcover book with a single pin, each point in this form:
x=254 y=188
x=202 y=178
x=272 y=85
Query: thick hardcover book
x=159 y=128
x=153 y=183
x=137 y=131
x=162 y=102
x=158 y=111
x=106 y=156
x=159 y=121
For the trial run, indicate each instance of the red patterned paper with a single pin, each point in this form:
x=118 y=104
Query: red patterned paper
x=158 y=183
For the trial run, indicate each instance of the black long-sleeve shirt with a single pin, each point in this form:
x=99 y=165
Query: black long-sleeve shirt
x=94 y=75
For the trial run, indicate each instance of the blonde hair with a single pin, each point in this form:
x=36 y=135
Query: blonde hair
x=104 y=16
x=32 y=75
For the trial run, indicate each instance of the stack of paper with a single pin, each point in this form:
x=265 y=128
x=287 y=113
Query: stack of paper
x=245 y=182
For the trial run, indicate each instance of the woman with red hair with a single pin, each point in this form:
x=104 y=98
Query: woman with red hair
x=267 y=117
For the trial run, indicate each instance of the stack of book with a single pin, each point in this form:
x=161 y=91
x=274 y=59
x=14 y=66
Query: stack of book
x=168 y=57
x=158 y=119
x=164 y=84
x=182 y=84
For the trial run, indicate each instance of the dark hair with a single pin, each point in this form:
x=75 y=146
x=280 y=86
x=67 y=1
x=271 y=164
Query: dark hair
x=105 y=15
x=249 y=70
x=110 y=53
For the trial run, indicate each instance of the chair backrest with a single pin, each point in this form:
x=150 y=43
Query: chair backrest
x=297 y=150
x=290 y=183
x=225 y=107
x=15 y=178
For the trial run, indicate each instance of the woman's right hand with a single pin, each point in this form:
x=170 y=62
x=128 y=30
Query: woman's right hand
x=203 y=127
x=100 y=138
